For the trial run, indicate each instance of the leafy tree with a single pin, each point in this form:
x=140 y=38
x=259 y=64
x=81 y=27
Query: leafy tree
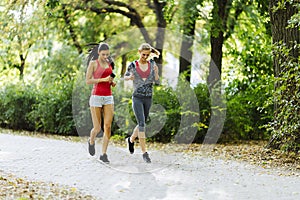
x=224 y=18
x=286 y=39
x=190 y=14
x=21 y=32
x=163 y=11
x=250 y=77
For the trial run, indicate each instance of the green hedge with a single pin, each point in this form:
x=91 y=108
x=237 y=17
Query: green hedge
x=27 y=107
x=49 y=110
x=249 y=109
x=16 y=103
x=52 y=112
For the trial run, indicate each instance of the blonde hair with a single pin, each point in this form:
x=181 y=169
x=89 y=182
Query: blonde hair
x=147 y=47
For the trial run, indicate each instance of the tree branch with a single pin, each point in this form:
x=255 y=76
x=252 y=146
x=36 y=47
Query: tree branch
x=131 y=14
x=121 y=4
x=238 y=10
x=70 y=27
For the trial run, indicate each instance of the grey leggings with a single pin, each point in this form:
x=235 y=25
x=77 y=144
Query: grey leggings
x=141 y=107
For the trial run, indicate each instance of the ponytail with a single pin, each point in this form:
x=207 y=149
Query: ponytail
x=92 y=53
x=94 y=50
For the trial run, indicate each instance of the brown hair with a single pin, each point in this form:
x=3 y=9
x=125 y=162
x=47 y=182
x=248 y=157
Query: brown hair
x=103 y=46
x=93 y=52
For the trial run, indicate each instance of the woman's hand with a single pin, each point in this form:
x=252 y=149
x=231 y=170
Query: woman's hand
x=130 y=77
x=106 y=79
x=113 y=84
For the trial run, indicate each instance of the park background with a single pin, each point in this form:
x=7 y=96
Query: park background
x=253 y=44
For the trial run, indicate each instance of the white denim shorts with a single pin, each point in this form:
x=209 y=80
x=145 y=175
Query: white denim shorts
x=99 y=101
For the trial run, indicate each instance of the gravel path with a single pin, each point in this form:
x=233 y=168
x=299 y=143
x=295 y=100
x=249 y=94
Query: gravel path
x=169 y=176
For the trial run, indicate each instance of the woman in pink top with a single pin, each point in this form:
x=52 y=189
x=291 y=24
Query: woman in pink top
x=100 y=74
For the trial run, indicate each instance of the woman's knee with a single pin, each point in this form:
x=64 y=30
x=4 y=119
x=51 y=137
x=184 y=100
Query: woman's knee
x=142 y=128
x=107 y=126
x=96 y=129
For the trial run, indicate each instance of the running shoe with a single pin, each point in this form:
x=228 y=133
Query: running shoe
x=130 y=145
x=104 y=158
x=146 y=157
x=91 y=148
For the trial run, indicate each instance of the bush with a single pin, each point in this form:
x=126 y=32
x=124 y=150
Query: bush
x=248 y=109
x=16 y=103
x=172 y=109
x=49 y=110
x=285 y=127
x=53 y=111
x=202 y=93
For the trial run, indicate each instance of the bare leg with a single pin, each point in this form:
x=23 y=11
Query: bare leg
x=96 y=119
x=134 y=134
x=108 y=117
x=142 y=140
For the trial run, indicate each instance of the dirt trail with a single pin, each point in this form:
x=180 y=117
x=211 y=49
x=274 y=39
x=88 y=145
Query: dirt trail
x=169 y=176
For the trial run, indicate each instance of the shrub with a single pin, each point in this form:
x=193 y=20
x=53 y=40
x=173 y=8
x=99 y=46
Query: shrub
x=16 y=102
x=53 y=111
x=248 y=109
x=202 y=93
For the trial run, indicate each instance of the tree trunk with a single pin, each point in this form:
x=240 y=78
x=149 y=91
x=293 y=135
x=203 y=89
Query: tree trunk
x=216 y=41
x=72 y=32
x=190 y=16
x=288 y=38
x=160 y=34
x=124 y=65
x=22 y=67
x=220 y=14
x=186 y=53
x=280 y=32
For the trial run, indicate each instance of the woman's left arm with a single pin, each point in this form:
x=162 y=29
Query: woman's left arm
x=156 y=75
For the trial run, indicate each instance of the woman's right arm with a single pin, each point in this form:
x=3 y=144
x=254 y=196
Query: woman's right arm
x=128 y=74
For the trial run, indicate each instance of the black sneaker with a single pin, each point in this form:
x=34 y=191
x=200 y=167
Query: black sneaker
x=146 y=157
x=104 y=159
x=130 y=145
x=91 y=148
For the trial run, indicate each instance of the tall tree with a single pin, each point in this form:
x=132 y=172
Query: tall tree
x=189 y=18
x=286 y=40
x=20 y=31
x=160 y=8
x=62 y=17
x=225 y=14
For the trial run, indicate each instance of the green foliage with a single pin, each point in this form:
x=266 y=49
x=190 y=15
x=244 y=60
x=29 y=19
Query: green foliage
x=52 y=112
x=30 y=108
x=172 y=109
x=249 y=108
x=286 y=125
x=249 y=93
x=16 y=103
x=60 y=66
x=251 y=53
x=21 y=31
x=202 y=94
x=168 y=100
x=183 y=106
